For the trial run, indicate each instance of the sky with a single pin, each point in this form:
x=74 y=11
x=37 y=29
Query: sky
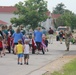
x=70 y=4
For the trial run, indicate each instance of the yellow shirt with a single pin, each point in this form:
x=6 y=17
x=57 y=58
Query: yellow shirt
x=19 y=48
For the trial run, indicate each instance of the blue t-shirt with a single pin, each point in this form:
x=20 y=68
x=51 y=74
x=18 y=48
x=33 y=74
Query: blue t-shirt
x=38 y=36
x=44 y=32
x=6 y=32
x=17 y=36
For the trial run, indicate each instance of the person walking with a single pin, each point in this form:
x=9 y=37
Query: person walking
x=26 y=51
x=10 y=30
x=33 y=45
x=17 y=36
x=50 y=35
x=22 y=29
x=19 y=49
x=46 y=43
x=1 y=45
x=5 y=36
x=67 y=38
x=38 y=38
x=61 y=36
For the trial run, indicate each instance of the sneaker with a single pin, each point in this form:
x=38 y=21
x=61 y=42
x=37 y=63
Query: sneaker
x=26 y=63
x=4 y=54
x=18 y=63
x=61 y=43
x=67 y=49
x=38 y=53
x=21 y=64
x=1 y=56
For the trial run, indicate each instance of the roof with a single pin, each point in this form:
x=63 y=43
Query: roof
x=3 y=23
x=11 y=9
x=7 y=9
x=55 y=15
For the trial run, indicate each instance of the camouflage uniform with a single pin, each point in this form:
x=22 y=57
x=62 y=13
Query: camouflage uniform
x=67 y=39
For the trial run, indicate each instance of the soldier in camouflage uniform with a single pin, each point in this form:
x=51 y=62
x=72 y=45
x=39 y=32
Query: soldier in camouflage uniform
x=67 y=38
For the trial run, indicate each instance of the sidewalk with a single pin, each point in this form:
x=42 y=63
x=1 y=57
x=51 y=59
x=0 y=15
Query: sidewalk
x=9 y=66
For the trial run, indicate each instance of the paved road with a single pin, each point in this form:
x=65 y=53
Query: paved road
x=8 y=64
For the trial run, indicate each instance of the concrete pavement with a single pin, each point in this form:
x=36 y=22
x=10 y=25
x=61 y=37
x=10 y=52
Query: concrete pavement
x=8 y=63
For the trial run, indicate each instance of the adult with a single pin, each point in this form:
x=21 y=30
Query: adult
x=1 y=34
x=17 y=36
x=61 y=36
x=10 y=39
x=5 y=35
x=22 y=29
x=50 y=35
x=44 y=31
x=67 y=38
x=4 y=30
x=38 y=38
x=10 y=30
x=30 y=33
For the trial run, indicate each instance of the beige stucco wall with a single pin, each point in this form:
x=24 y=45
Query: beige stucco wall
x=6 y=17
x=47 y=24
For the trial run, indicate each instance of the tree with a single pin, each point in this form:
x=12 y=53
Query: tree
x=31 y=12
x=59 y=9
x=67 y=19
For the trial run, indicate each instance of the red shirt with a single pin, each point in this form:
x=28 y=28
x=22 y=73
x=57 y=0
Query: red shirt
x=8 y=41
x=33 y=44
x=1 y=45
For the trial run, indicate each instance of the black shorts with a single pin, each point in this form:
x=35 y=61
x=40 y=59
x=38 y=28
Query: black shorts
x=30 y=45
x=1 y=49
x=15 y=43
x=26 y=56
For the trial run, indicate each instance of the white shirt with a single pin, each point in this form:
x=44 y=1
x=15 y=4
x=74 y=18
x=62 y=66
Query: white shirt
x=26 y=49
x=30 y=41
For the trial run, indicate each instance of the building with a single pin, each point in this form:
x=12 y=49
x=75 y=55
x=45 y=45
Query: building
x=55 y=16
x=48 y=22
x=6 y=13
x=2 y=23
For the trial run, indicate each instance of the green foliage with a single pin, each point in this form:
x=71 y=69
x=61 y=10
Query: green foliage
x=59 y=9
x=31 y=12
x=66 y=19
x=68 y=69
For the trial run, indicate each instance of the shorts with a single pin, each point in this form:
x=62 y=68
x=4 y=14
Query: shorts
x=61 y=37
x=15 y=44
x=1 y=49
x=30 y=45
x=26 y=56
x=20 y=55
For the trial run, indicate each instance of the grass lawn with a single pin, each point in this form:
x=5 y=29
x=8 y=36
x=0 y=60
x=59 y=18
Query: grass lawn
x=68 y=69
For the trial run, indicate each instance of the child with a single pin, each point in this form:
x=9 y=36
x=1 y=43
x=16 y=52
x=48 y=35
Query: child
x=43 y=46
x=46 y=43
x=26 y=51
x=19 y=50
x=1 y=46
x=9 y=43
x=33 y=45
x=4 y=44
x=30 y=42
